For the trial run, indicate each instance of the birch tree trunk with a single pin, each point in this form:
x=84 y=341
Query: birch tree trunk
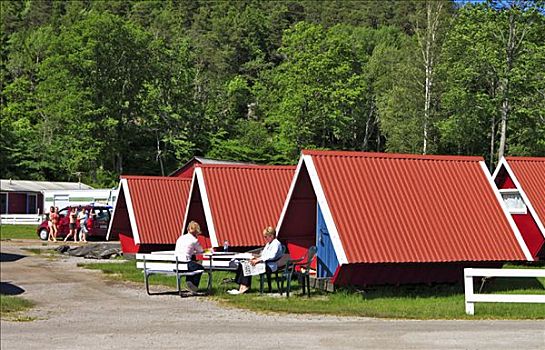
x=427 y=41
x=369 y=126
x=510 y=49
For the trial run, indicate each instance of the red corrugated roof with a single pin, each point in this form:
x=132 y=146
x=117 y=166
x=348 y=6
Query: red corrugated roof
x=391 y=208
x=244 y=199
x=391 y=155
x=530 y=173
x=159 y=206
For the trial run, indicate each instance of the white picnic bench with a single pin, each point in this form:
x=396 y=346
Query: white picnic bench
x=216 y=260
x=167 y=263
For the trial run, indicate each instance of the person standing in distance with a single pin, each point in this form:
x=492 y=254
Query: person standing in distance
x=187 y=246
x=73 y=217
x=83 y=215
x=52 y=225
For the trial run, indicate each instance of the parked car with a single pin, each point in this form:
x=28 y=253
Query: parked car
x=97 y=224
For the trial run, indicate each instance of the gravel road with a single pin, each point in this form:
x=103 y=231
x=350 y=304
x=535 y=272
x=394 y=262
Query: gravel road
x=79 y=309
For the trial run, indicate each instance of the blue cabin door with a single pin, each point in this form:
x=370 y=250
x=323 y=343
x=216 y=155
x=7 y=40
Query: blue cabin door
x=326 y=258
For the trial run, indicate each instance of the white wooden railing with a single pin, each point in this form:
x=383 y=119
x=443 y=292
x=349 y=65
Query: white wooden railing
x=20 y=219
x=472 y=297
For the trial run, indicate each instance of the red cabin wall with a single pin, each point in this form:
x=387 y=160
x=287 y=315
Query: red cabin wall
x=503 y=181
x=525 y=222
x=121 y=226
x=363 y=275
x=298 y=230
x=196 y=213
x=186 y=172
x=530 y=233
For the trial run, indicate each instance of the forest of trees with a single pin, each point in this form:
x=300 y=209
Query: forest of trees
x=102 y=88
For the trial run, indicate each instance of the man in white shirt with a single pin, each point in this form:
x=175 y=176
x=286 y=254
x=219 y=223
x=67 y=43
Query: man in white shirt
x=187 y=246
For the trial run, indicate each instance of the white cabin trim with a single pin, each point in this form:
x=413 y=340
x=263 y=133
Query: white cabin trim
x=326 y=212
x=110 y=224
x=206 y=205
x=130 y=210
x=508 y=216
x=525 y=198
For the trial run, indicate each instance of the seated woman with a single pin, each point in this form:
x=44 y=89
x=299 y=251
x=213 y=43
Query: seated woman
x=269 y=256
x=187 y=246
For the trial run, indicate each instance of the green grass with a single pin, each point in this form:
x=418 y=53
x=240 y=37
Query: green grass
x=49 y=254
x=37 y=251
x=127 y=271
x=533 y=265
x=420 y=302
x=408 y=302
x=11 y=308
x=18 y=231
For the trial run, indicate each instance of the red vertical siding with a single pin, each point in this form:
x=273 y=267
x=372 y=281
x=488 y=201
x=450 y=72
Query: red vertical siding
x=121 y=227
x=530 y=173
x=530 y=233
x=187 y=174
x=16 y=203
x=186 y=171
x=525 y=222
x=503 y=181
x=296 y=233
x=196 y=213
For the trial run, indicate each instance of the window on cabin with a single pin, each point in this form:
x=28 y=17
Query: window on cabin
x=3 y=203
x=513 y=201
x=31 y=204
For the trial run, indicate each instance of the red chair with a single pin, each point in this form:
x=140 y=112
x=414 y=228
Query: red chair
x=301 y=267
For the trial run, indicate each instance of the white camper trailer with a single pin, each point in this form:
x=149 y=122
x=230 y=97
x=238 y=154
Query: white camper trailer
x=63 y=198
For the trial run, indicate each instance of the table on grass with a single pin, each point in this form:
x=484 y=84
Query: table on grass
x=216 y=261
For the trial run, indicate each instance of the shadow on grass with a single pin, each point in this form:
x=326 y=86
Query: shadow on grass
x=502 y=284
x=407 y=291
x=487 y=285
x=173 y=292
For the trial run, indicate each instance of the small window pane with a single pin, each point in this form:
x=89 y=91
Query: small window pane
x=3 y=203
x=514 y=202
x=31 y=204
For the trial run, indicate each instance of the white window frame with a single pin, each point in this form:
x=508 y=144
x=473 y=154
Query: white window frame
x=517 y=192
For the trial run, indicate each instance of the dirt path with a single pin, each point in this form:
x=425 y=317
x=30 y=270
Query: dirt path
x=78 y=309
